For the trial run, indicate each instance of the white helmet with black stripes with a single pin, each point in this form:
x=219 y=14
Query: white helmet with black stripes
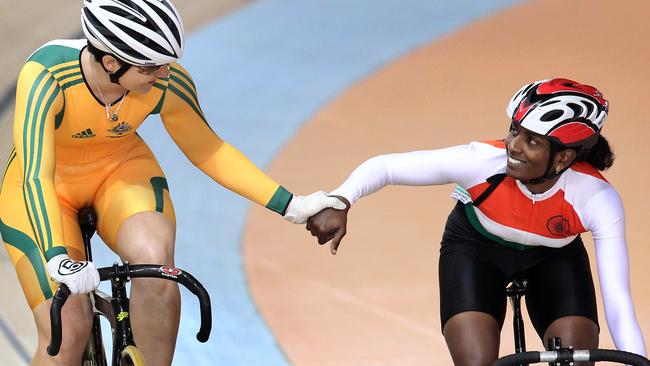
x=138 y=32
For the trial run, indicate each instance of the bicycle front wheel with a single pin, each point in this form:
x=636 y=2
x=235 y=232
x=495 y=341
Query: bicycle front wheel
x=131 y=356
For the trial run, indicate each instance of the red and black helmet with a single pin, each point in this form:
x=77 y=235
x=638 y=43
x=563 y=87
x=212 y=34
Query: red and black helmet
x=567 y=112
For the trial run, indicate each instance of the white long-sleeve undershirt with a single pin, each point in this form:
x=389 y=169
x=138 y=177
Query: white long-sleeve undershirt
x=468 y=165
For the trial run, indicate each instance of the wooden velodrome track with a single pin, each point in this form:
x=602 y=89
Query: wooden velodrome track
x=375 y=303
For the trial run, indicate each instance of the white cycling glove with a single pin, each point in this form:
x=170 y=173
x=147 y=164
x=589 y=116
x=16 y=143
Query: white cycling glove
x=301 y=208
x=80 y=277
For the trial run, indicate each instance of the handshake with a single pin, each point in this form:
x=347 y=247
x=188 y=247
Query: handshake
x=326 y=216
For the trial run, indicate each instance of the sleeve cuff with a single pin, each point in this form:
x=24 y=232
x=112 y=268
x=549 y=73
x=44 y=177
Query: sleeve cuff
x=280 y=200
x=54 y=252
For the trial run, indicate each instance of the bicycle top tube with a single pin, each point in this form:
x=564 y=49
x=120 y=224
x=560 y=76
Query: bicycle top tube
x=125 y=272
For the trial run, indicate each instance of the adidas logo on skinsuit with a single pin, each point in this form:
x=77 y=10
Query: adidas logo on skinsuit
x=84 y=134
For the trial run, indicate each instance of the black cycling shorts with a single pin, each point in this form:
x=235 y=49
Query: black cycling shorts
x=474 y=272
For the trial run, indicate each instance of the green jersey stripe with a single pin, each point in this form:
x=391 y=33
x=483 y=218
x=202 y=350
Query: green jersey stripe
x=25 y=244
x=31 y=184
x=189 y=102
x=161 y=102
x=473 y=219
x=58 y=119
x=32 y=221
x=28 y=155
x=72 y=83
x=53 y=252
x=189 y=90
x=41 y=123
x=161 y=84
x=69 y=77
x=32 y=175
x=67 y=68
x=184 y=76
x=158 y=184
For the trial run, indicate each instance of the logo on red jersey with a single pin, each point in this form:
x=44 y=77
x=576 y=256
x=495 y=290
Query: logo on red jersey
x=558 y=226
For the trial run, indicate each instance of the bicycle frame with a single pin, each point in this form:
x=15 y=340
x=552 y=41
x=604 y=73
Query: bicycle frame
x=106 y=306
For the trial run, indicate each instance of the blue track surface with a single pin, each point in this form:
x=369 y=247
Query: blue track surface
x=261 y=73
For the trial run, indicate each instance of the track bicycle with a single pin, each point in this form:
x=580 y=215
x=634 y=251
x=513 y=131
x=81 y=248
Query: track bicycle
x=556 y=355
x=115 y=308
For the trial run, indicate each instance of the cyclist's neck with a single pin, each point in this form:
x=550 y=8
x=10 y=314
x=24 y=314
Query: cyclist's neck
x=542 y=187
x=98 y=81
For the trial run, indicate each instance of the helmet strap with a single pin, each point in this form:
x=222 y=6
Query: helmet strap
x=115 y=76
x=549 y=173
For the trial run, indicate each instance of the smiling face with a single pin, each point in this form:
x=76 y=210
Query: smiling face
x=528 y=153
x=528 y=158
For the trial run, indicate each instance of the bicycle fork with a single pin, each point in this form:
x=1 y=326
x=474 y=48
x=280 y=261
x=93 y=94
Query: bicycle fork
x=94 y=353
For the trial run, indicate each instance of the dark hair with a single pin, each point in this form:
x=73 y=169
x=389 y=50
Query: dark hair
x=97 y=53
x=600 y=156
x=99 y=56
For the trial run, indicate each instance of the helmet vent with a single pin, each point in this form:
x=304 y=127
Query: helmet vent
x=549 y=102
x=551 y=115
x=169 y=22
x=146 y=42
x=524 y=91
x=577 y=109
x=121 y=12
x=590 y=108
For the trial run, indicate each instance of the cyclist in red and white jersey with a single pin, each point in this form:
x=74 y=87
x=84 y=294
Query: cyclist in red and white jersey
x=522 y=204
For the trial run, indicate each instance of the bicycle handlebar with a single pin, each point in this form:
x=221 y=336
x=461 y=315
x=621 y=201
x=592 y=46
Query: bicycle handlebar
x=569 y=355
x=60 y=297
x=131 y=271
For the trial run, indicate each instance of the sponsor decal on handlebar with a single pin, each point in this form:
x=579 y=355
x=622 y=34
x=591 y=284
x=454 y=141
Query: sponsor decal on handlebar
x=169 y=271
